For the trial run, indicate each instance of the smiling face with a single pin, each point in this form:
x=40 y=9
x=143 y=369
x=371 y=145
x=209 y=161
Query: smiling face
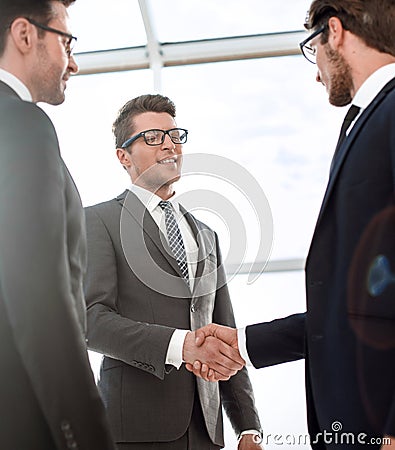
x=153 y=167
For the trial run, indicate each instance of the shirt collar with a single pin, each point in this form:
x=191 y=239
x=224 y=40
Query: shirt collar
x=373 y=85
x=16 y=84
x=151 y=200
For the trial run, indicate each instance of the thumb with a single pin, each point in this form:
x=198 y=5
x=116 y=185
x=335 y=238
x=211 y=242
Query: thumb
x=199 y=337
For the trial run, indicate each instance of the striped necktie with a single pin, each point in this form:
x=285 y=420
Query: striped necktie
x=175 y=239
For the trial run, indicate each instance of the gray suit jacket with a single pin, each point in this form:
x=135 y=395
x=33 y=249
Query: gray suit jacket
x=48 y=398
x=136 y=298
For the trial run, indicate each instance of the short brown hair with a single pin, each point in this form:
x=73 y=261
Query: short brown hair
x=371 y=20
x=123 y=126
x=40 y=10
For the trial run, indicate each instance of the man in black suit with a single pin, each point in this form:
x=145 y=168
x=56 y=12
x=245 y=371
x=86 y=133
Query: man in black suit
x=48 y=397
x=145 y=291
x=348 y=333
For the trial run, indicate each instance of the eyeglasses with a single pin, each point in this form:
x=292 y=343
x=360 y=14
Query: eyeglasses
x=307 y=50
x=157 y=137
x=71 y=40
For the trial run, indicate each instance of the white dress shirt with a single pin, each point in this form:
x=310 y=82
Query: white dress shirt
x=370 y=88
x=151 y=202
x=16 y=84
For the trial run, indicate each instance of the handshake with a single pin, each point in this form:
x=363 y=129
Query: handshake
x=212 y=352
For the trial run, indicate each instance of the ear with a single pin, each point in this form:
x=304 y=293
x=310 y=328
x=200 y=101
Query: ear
x=23 y=34
x=336 y=32
x=124 y=157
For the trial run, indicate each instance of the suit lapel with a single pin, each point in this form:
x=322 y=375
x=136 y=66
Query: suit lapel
x=144 y=220
x=5 y=89
x=199 y=237
x=130 y=202
x=206 y=271
x=347 y=144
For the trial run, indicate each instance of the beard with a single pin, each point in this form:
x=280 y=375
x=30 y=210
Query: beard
x=341 y=83
x=48 y=81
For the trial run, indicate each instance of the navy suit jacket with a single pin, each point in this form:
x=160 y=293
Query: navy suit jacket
x=348 y=332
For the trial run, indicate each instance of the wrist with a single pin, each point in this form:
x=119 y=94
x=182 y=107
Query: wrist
x=188 y=344
x=174 y=354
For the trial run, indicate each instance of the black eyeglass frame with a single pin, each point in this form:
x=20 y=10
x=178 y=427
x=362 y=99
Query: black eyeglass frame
x=130 y=141
x=71 y=39
x=302 y=44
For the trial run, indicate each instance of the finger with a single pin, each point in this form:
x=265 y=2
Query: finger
x=204 y=369
x=197 y=365
x=200 y=374
x=222 y=367
x=215 y=353
x=205 y=372
x=189 y=367
x=226 y=358
x=216 y=376
x=223 y=372
x=232 y=354
x=200 y=370
x=202 y=333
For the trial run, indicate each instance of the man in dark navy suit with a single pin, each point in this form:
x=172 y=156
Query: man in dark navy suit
x=348 y=333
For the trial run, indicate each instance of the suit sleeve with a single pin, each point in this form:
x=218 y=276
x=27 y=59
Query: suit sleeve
x=236 y=394
x=35 y=279
x=139 y=344
x=276 y=342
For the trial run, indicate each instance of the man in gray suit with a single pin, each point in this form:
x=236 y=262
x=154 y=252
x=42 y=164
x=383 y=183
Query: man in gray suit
x=154 y=273
x=48 y=397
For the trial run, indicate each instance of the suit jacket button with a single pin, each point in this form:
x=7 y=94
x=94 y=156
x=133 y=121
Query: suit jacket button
x=316 y=337
x=65 y=426
x=68 y=435
x=193 y=308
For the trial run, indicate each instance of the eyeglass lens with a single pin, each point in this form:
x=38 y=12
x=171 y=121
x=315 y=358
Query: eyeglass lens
x=310 y=53
x=155 y=137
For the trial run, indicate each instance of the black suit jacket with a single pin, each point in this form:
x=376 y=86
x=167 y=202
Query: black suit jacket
x=136 y=299
x=348 y=332
x=48 y=397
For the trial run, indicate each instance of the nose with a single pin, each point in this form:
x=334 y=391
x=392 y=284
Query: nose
x=168 y=144
x=318 y=77
x=72 y=67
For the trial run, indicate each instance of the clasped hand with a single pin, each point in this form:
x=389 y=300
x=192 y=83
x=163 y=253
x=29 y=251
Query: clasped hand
x=212 y=353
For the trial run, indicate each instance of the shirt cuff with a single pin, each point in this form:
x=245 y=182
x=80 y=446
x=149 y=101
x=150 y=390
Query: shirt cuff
x=174 y=351
x=242 y=343
x=256 y=433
